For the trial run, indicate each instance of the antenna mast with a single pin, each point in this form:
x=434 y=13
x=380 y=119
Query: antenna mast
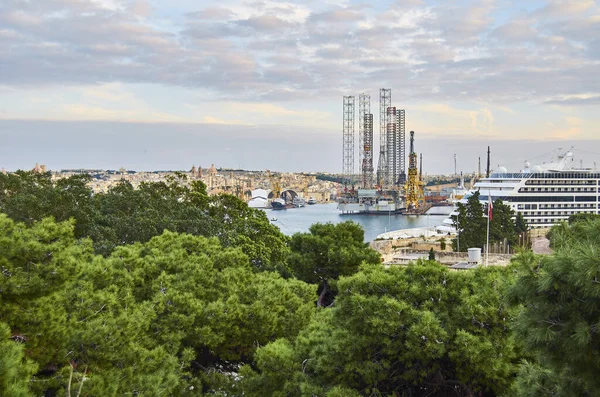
x=487 y=172
x=455 y=173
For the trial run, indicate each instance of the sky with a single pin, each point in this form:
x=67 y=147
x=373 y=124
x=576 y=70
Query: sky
x=150 y=84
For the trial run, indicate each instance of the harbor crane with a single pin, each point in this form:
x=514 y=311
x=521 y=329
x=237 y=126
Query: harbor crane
x=414 y=185
x=275 y=184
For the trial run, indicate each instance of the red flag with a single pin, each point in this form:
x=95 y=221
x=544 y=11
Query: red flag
x=490 y=206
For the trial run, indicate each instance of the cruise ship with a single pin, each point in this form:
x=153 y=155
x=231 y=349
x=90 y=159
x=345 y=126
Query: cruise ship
x=544 y=194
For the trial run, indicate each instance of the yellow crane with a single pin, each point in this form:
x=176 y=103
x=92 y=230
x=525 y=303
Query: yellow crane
x=414 y=184
x=275 y=184
x=306 y=183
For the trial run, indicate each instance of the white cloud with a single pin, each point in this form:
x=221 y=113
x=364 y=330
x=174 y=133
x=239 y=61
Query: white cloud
x=256 y=61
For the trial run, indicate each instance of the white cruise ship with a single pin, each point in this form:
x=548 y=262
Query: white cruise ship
x=544 y=194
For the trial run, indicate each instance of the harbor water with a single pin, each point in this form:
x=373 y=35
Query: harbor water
x=294 y=220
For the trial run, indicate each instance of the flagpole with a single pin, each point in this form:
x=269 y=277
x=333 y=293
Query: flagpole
x=487 y=247
x=489 y=213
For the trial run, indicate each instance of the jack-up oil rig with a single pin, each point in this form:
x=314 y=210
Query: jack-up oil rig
x=389 y=190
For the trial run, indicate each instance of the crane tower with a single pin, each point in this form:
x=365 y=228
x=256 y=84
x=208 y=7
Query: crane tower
x=385 y=101
x=396 y=147
x=367 y=165
x=364 y=108
x=414 y=184
x=348 y=127
x=275 y=184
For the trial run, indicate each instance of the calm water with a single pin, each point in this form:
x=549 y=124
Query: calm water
x=296 y=220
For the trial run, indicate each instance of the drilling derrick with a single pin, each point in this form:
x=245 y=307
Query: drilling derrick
x=390 y=152
x=364 y=108
x=396 y=147
x=367 y=165
x=348 y=127
x=401 y=148
x=414 y=186
x=385 y=101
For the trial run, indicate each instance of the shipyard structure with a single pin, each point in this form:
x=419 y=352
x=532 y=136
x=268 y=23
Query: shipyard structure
x=391 y=187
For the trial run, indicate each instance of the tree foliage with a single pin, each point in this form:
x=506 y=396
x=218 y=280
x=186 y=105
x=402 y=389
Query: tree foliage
x=415 y=331
x=502 y=226
x=471 y=224
x=579 y=217
x=126 y=215
x=328 y=252
x=560 y=300
x=520 y=224
x=163 y=290
x=175 y=315
x=15 y=370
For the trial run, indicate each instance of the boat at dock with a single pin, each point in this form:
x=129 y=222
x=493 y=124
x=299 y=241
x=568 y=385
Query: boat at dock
x=544 y=194
x=278 y=204
x=298 y=202
x=368 y=201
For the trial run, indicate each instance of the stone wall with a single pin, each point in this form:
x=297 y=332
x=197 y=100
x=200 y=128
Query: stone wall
x=451 y=258
x=392 y=251
x=416 y=243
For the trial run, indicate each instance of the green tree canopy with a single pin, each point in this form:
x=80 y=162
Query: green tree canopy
x=165 y=317
x=406 y=331
x=560 y=299
x=126 y=215
x=471 y=224
x=328 y=252
x=502 y=226
x=520 y=224
x=15 y=370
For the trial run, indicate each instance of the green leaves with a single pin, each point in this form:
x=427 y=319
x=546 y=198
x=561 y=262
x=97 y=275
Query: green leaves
x=327 y=253
x=177 y=314
x=124 y=215
x=471 y=224
x=15 y=370
x=413 y=330
x=560 y=310
x=38 y=260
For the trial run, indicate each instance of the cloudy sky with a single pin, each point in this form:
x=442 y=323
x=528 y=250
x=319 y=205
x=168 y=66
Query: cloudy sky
x=152 y=84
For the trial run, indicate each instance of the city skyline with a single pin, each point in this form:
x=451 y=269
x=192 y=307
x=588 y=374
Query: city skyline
x=112 y=145
x=478 y=72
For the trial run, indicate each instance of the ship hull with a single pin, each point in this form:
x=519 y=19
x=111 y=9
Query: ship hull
x=361 y=208
x=278 y=204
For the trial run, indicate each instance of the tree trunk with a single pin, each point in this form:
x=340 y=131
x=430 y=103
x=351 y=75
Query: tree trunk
x=323 y=294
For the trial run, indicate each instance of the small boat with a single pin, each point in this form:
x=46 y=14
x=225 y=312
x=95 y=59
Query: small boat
x=311 y=201
x=273 y=219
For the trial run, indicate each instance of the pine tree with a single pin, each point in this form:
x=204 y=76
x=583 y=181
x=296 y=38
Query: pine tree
x=560 y=310
x=520 y=224
x=502 y=226
x=328 y=252
x=420 y=330
x=15 y=370
x=470 y=224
